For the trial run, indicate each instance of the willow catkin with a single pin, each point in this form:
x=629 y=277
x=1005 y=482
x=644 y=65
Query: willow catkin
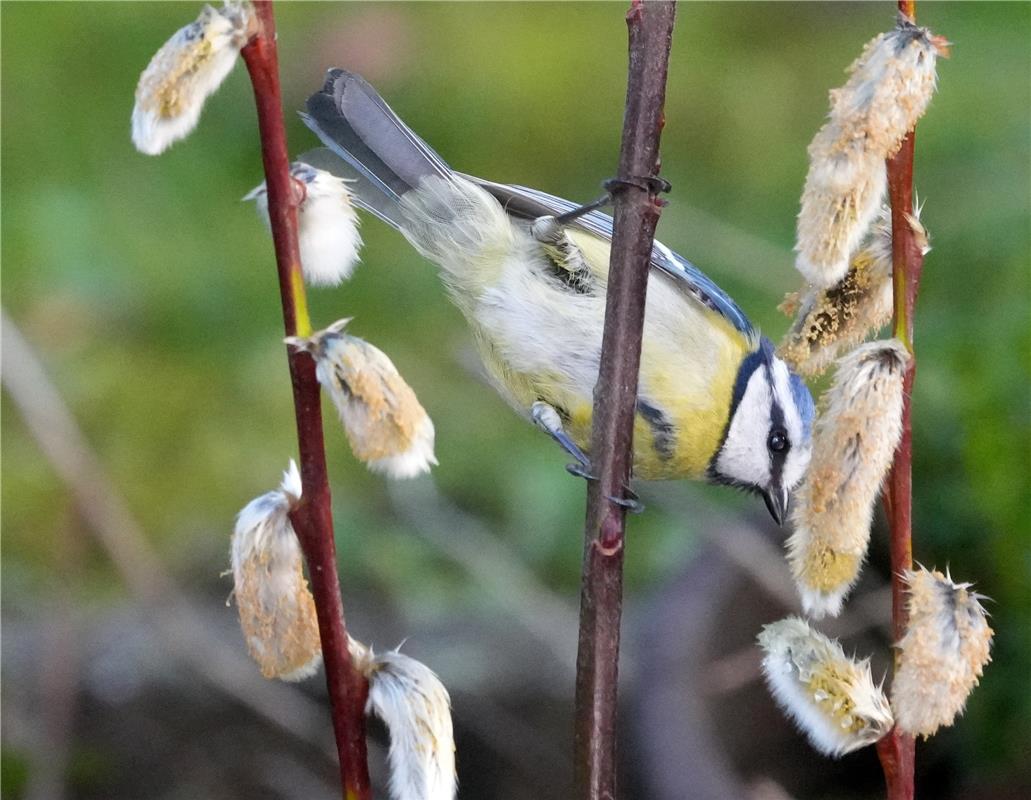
x=854 y=441
x=943 y=652
x=386 y=426
x=416 y=708
x=888 y=90
x=327 y=224
x=830 y=321
x=832 y=698
x=187 y=69
x=276 y=607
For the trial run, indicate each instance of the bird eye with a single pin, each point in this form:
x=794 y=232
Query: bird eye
x=777 y=441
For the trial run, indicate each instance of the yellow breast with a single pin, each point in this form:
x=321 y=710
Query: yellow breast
x=689 y=360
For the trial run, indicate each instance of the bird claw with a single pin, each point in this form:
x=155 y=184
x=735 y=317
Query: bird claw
x=649 y=183
x=581 y=471
x=631 y=502
x=654 y=185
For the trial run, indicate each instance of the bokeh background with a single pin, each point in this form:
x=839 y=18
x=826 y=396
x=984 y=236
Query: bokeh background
x=148 y=291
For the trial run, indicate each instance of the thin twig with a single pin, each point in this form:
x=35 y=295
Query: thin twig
x=650 y=27
x=897 y=750
x=312 y=518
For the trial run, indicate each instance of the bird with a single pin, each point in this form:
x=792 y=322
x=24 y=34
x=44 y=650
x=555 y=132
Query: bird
x=529 y=272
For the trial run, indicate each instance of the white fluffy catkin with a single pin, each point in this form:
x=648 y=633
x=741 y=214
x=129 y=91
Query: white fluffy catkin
x=854 y=441
x=327 y=225
x=889 y=89
x=277 y=610
x=832 y=698
x=831 y=321
x=413 y=703
x=386 y=426
x=187 y=69
x=943 y=652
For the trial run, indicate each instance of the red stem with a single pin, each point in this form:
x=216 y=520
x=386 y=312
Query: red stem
x=897 y=750
x=636 y=214
x=312 y=518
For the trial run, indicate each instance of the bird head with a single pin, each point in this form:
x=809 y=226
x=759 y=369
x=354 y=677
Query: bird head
x=768 y=439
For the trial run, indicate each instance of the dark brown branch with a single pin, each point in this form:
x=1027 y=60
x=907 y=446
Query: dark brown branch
x=897 y=750
x=312 y=518
x=636 y=215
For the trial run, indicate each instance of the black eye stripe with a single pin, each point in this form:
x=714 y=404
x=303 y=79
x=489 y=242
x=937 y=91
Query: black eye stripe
x=777 y=457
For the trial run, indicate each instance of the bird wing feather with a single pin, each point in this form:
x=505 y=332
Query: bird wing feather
x=523 y=202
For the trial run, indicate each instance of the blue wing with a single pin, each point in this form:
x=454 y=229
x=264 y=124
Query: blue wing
x=520 y=201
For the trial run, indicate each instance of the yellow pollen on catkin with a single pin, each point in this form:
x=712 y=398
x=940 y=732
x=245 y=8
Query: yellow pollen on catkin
x=825 y=569
x=830 y=321
x=831 y=697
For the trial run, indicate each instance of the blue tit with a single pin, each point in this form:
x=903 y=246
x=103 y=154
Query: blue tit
x=529 y=272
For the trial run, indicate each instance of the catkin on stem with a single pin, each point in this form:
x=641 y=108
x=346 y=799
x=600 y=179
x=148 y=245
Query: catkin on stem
x=276 y=607
x=385 y=424
x=416 y=708
x=327 y=224
x=830 y=321
x=943 y=653
x=854 y=441
x=187 y=69
x=888 y=90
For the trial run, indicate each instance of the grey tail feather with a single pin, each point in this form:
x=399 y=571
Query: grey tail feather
x=353 y=121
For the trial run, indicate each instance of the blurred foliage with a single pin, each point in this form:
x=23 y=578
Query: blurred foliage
x=150 y=288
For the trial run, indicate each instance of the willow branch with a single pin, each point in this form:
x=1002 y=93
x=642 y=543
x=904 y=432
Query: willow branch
x=897 y=750
x=312 y=518
x=650 y=27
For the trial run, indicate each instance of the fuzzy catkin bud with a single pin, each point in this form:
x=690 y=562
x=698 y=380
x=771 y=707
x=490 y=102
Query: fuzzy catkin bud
x=889 y=89
x=831 y=321
x=943 y=653
x=413 y=703
x=832 y=698
x=277 y=610
x=327 y=224
x=386 y=426
x=854 y=441
x=187 y=69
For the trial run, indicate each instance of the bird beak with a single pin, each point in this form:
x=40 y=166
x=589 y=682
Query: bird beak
x=777 y=502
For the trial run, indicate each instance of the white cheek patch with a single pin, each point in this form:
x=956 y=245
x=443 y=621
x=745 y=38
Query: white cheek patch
x=744 y=457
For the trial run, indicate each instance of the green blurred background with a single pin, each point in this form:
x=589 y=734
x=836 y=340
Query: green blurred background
x=149 y=291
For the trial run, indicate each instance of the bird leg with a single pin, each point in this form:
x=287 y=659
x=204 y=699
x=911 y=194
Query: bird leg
x=651 y=184
x=594 y=205
x=547 y=419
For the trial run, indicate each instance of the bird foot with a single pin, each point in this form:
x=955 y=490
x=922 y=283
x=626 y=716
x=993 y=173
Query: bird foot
x=630 y=501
